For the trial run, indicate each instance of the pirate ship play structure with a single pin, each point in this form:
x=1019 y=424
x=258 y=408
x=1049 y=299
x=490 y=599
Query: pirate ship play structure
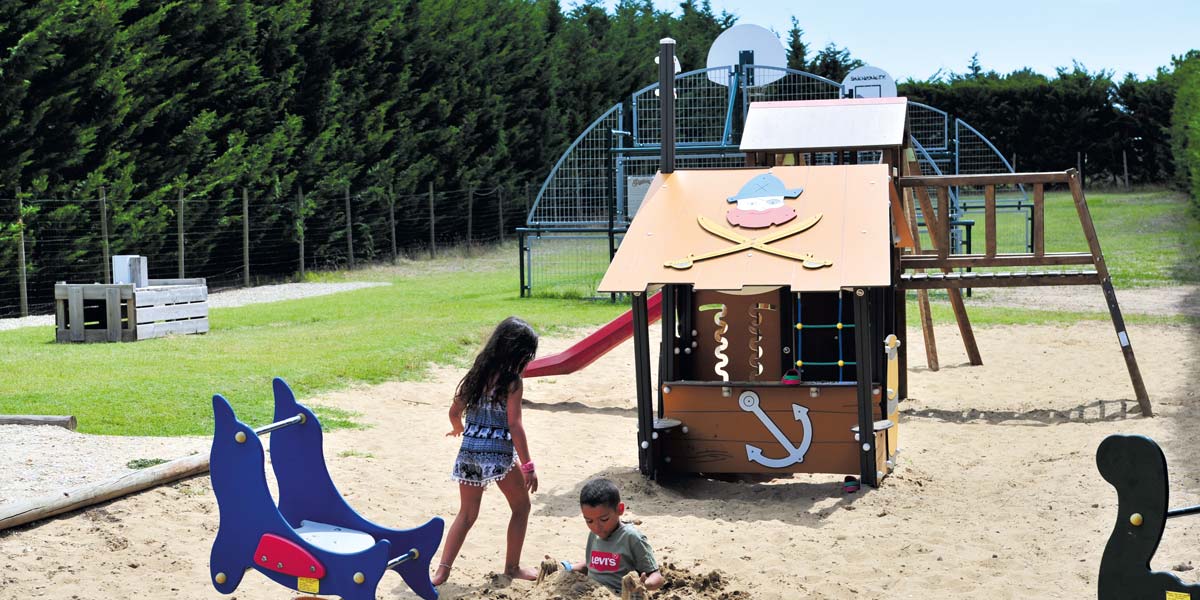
x=783 y=287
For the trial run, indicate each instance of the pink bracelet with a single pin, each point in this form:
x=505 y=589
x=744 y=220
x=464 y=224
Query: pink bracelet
x=527 y=467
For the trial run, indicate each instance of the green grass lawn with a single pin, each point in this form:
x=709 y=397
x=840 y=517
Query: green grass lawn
x=1149 y=238
x=435 y=311
x=439 y=312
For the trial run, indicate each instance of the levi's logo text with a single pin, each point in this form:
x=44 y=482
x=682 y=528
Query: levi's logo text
x=605 y=562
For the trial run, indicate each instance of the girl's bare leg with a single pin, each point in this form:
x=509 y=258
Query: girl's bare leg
x=513 y=486
x=469 y=498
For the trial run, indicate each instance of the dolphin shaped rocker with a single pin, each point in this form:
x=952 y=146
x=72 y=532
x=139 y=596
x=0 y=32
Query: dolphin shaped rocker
x=1137 y=468
x=312 y=541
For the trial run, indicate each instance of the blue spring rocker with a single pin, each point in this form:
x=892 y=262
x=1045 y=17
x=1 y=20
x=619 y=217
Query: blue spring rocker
x=312 y=541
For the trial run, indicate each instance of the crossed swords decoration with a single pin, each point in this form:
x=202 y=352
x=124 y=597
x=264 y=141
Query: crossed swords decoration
x=761 y=243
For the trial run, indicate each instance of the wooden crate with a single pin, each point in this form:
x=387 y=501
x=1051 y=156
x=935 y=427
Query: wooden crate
x=123 y=313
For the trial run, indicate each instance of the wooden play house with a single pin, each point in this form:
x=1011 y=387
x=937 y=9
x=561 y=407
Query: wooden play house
x=783 y=289
x=764 y=341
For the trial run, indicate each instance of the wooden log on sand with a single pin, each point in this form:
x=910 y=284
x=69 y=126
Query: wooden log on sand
x=67 y=421
x=12 y=515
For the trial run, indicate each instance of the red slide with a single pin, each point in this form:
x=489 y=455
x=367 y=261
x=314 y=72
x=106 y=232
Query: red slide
x=587 y=350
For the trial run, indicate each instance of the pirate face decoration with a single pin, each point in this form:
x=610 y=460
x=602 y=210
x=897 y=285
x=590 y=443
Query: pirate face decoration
x=760 y=203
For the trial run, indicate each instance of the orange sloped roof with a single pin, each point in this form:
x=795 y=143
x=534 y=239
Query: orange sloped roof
x=853 y=232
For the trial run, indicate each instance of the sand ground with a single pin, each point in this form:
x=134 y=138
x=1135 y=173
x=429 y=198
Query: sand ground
x=996 y=491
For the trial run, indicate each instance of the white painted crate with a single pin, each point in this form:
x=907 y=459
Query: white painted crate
x=98 y=312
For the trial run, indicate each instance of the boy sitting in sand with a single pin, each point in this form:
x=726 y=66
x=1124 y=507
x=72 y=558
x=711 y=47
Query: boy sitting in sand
x=614 y=549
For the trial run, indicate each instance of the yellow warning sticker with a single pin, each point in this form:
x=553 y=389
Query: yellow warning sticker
x=1178 y=596
x=311 y=586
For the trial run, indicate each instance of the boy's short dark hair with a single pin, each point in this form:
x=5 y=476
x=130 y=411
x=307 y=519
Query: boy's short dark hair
x=600 y=492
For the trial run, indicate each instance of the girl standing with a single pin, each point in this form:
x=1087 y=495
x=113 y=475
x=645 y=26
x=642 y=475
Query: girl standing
x=493 y=443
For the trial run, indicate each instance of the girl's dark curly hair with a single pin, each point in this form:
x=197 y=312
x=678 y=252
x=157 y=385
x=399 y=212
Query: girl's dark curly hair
x=500 y=364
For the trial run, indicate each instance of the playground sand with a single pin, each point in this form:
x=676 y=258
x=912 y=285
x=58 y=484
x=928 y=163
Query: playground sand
x=996 y=492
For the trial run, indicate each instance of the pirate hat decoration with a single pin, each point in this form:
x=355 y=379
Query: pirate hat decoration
x=760 y=203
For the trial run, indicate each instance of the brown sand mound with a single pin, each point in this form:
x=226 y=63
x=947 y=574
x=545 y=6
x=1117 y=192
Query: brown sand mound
x=682 y=584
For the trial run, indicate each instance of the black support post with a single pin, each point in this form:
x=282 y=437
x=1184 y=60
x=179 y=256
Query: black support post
x=666 y=99
x=641 y=364
x=865 y=351
x=666 y=355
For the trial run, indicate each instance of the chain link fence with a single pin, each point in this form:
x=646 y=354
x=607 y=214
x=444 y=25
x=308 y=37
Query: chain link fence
x=237 y=239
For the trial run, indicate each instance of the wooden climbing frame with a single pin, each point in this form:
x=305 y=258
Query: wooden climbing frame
x=1027 y=267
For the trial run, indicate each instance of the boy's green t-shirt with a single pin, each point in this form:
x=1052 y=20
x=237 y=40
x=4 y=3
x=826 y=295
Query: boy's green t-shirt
x=624 y=551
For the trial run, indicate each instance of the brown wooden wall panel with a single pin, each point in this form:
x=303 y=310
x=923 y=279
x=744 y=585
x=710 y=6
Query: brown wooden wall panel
x=730 y=457
x=685 y=398
x=719 y=430
x=742 y=426
x=737 y=317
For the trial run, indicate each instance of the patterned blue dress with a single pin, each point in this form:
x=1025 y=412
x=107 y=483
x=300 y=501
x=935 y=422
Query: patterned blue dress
x=487 y=452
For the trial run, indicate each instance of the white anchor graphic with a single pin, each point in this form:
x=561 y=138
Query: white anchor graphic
x=748 y=401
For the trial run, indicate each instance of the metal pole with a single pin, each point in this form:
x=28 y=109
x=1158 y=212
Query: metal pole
x=300 y=225
x=179 y=230
x=245 y=237
x=104 y=235
x=298 y=419
x=470 y=217
x=24 y=289
x=349 y=229
x=432 y=218
x=403 y=558
x=521 y=260
x=666 y=97
x=392 y=219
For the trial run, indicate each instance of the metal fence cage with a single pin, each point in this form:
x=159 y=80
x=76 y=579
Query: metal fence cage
x=595 y=189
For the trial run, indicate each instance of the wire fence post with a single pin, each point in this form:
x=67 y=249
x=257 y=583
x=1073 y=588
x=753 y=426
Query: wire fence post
x=349 y=229
x=104 y=235
x=300 y=226
x=1125 y=164
x=500 y=211
x=432 y=237
x=470 y=217
x=179 y=230
x=1079 y=167
x=392 y=220
x=245 y=237
x=24 y=290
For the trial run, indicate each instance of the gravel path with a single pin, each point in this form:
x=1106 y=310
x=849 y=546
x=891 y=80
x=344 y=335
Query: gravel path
x=40 y=460
x=1161 y=301
x=231 y=298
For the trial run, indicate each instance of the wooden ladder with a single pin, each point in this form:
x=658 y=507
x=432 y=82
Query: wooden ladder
x=1028 y=269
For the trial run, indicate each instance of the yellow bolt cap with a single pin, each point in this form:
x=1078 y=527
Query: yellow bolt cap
x=359 y=578
x=240 y=437
x=1136 y=519
x=220 y=578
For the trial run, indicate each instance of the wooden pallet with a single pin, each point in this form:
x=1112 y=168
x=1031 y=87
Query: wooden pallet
x=99 y=312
